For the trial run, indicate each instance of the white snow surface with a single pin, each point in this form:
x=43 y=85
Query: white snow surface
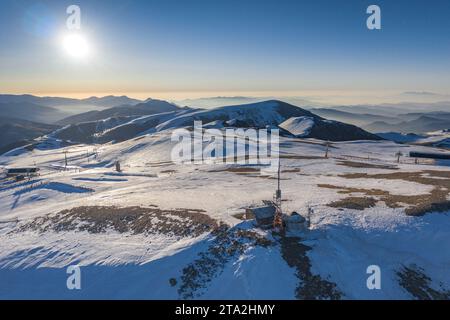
x=298 y=126
x=137 y=266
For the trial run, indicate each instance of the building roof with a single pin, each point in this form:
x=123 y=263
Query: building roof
x=264 y=212
x=429 y=155
x=22 y=170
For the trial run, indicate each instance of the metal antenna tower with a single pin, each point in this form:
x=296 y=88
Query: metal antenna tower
x=278 y=219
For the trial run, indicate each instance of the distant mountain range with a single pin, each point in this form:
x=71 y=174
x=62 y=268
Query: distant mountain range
x=215 y=102
x=389 y=109
x=422 y=124
x=104 y=102
x=110 y=101
x=359 y=119
x=389 y=120
x=440 y=139
x=66 y=106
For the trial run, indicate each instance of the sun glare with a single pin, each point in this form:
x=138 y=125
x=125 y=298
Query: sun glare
x=76 y=45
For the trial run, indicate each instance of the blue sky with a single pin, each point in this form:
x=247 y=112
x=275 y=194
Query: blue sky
x=208 y=47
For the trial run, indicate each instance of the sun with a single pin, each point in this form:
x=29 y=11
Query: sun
x=76 y=45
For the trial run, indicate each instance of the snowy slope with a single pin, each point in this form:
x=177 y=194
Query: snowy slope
x=256 y=115
x=120 y=262
x=310 y=127
x=298 y=126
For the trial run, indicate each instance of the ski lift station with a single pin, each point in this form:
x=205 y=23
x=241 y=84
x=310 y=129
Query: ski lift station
x=23 y=172
x=429 y=155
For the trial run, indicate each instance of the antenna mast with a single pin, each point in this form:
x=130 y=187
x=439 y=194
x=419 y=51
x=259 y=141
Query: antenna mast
x=278 y=219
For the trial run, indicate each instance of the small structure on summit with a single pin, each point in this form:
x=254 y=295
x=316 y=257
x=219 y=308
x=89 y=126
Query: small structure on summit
x=270 y=215
x=263 y=215
x=296 y=223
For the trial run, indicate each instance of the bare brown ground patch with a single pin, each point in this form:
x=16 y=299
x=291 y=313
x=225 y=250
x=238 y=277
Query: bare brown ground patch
x=272 y=178
x=135 y=220
x=355 y=203
x=159 y=164
x=414 y=280
x=416 y=205
x=299 y=157
x=252 y=172
x=239 y=170
x=311 y=287
x=347 y=190
x=168 y=171
x=354 y=164
x=348 y=156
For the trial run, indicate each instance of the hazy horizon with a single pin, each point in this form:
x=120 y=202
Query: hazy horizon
x=314 y=99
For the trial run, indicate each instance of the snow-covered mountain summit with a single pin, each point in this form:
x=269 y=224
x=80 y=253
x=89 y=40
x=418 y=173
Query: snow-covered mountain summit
x=270 y=113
